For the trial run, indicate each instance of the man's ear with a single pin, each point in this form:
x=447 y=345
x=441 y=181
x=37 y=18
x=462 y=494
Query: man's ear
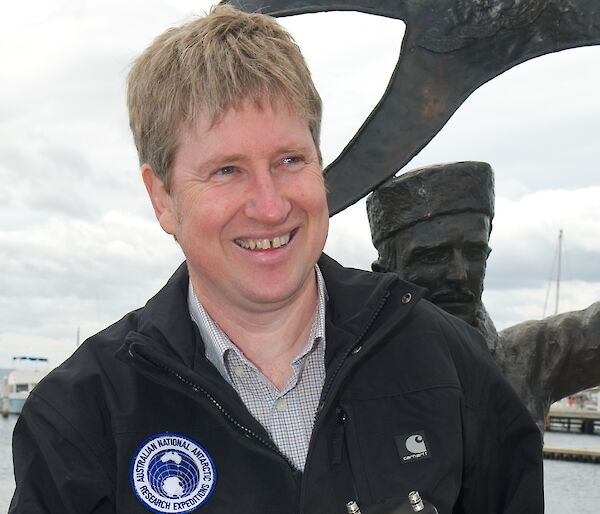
x=162 y=203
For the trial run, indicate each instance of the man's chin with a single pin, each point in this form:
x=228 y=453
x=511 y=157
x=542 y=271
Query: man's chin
x=461 y=310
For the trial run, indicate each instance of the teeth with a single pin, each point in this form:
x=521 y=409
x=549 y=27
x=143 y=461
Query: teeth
x=263 y=244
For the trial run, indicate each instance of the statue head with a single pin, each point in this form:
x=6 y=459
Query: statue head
x=432 y=227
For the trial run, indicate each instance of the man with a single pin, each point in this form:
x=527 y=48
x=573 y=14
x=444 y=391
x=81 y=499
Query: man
x=432 y=226
x=259 y=380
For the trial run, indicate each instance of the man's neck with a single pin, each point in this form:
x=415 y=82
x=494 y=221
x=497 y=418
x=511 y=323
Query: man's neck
x=270 y=338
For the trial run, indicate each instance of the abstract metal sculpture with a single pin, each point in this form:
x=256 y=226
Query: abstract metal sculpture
x=450 y=48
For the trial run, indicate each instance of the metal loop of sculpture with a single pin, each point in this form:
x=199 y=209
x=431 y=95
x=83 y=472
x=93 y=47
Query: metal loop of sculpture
x=450 y=48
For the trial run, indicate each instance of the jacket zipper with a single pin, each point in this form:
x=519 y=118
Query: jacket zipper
x=248 y=432
x=331 y=381
x=337 y=446
x=340 y=444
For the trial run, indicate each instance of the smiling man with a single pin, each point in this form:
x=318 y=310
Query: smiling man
x=264 y=377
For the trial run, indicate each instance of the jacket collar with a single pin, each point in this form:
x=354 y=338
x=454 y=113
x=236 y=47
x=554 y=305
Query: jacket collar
x=356 y=299
x=166 y=320
x=354 y=296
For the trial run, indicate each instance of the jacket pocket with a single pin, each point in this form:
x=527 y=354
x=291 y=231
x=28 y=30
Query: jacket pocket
x=404 y=442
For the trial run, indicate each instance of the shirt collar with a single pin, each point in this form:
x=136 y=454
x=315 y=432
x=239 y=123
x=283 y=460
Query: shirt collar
x=217 y=344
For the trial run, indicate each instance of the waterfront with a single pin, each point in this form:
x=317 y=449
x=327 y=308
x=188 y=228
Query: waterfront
x=570 y=486
x=7 y=483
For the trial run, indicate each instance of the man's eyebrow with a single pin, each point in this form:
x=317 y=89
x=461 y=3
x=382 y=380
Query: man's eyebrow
x=476 y=243
x=220 y=161
x=416 y=251
x=301 y=148
x=236 y=157
x=424 y=247
x=294 y=148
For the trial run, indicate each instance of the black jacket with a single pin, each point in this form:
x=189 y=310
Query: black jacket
x=400 y=374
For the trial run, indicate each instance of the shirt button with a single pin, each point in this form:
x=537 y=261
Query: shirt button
x=238 y=371
x=281 y=405
x=406 y=298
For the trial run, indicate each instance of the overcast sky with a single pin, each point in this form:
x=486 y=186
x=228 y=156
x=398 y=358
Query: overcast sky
x=79 y=246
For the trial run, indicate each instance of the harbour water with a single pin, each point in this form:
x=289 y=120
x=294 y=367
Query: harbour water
x=569 y=486
x=7 y=483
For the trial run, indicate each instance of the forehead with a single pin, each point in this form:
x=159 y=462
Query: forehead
x=250 y=124
x=205 y=120
x=449 y=229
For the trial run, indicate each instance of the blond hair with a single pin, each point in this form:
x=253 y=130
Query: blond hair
x=207 y=66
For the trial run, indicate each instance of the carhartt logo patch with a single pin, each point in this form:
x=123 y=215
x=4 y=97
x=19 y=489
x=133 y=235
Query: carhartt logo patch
x=172 y=473
x=412 y=447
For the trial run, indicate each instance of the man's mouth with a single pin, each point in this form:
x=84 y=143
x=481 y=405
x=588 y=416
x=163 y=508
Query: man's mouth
x=264 y=244
x=452 y=297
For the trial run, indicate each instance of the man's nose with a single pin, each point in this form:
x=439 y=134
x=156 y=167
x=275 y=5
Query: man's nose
x=457 y=270
x=267 y=200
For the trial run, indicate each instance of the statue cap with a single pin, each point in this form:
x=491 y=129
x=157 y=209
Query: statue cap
x=424 y=193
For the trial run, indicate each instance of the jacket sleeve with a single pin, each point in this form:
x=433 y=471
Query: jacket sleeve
x=55 y=471
x=503 y=466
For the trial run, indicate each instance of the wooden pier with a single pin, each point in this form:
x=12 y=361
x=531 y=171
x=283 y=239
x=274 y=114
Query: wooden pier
x=573 y=420
x=572 y=455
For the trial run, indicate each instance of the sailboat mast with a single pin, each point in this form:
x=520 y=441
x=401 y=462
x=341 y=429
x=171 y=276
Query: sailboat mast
x=560 y=237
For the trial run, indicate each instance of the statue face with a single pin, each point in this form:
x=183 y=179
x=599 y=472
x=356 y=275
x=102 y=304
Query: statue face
x=447 y=255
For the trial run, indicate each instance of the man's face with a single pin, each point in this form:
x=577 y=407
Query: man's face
x=447 y=255
x=247 y=205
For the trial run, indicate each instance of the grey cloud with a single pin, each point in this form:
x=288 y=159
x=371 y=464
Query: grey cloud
x=49 y=179
x=80 y=276
x=535 y=268
x=68 y=161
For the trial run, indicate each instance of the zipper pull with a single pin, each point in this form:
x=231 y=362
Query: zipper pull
x=352 y=508
x=337 y=444
x=417 y=504
x=400 y=505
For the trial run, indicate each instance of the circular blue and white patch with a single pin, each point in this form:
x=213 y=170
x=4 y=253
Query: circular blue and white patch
x=172 y=473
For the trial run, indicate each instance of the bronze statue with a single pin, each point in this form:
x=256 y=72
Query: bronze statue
x=432 y=227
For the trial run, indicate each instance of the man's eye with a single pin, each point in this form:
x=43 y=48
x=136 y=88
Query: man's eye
x=226 y=170
x=476 y=254
x=292 y=159
x=433 y=257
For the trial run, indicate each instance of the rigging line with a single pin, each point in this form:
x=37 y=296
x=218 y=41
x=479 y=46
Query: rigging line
x=548 y=288
x=567 y=270
x=560 y=241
